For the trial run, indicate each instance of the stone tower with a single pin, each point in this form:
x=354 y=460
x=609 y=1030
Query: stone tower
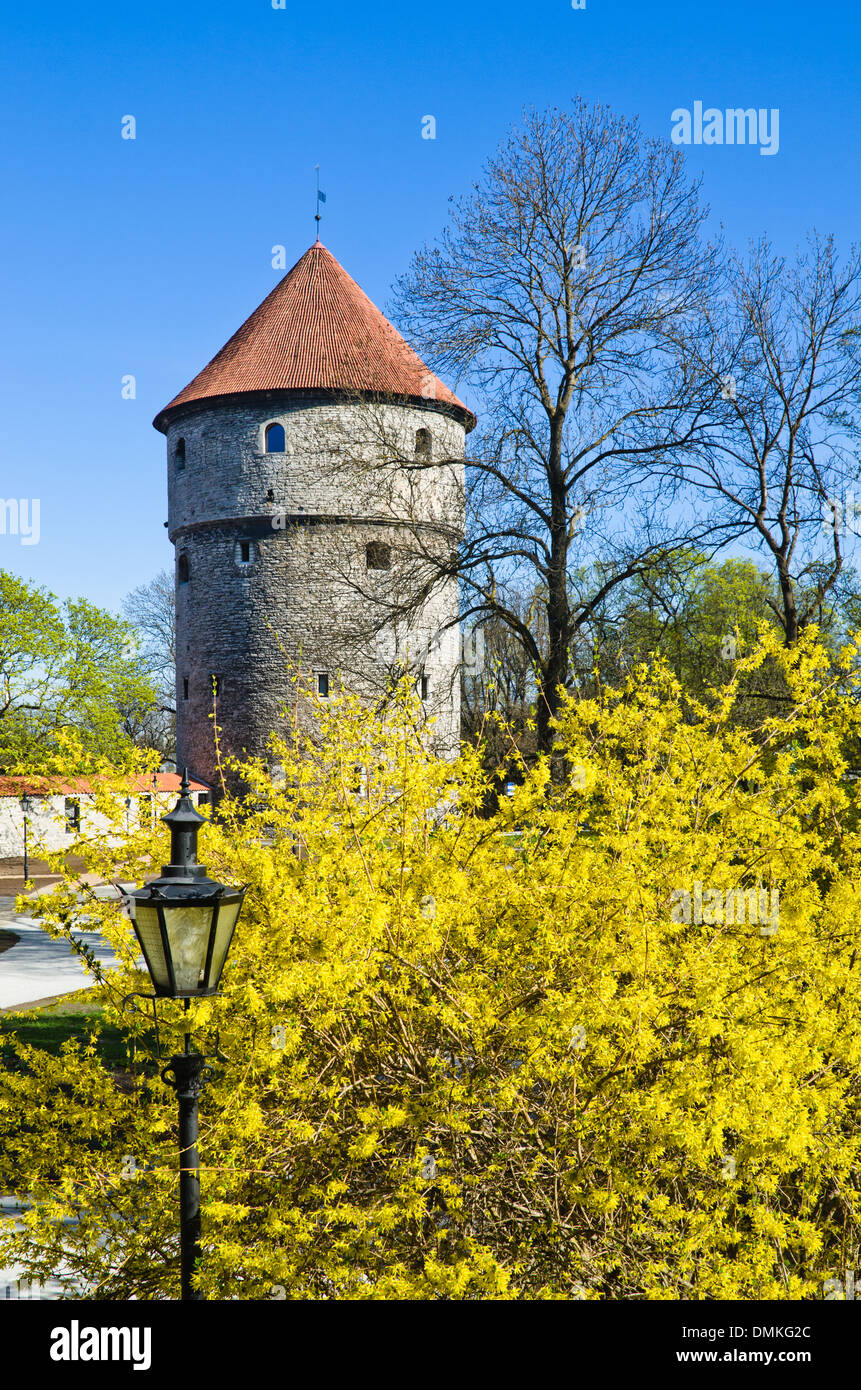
x=315 y=491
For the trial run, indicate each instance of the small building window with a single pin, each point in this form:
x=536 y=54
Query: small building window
x=423 y=444
x=275 y=439
x=73 y=813
x=185 y=687
x=424 y=687
x=179 y=453
x=378 y=555
x=203 y=798
x=323 y=684
x=183 y=569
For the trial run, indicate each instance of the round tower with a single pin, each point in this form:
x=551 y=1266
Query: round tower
x=315 y=496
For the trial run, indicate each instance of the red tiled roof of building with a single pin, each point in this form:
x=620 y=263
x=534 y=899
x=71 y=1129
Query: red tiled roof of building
x=84 y=786
x=317 y=330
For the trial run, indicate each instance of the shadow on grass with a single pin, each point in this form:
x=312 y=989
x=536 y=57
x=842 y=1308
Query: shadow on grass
x=76 y=1017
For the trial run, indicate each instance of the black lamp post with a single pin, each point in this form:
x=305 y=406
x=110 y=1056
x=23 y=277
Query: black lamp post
x=184 y=922
x=26 y=807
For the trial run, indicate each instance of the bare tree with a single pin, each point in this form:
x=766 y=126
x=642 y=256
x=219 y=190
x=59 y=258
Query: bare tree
x=499 y=684
x=151 y=609
x=559 y=292
x=779 y=362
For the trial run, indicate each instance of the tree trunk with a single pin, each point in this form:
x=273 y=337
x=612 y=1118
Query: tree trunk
x=555 y=673
x=791 y=626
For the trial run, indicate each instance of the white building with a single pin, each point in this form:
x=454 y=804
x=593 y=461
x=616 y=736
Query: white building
x=57 y=810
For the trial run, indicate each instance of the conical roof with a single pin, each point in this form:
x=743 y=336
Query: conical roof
x=316 y=331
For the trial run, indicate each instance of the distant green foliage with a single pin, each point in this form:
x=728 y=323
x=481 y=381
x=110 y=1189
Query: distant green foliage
x=702 y=618
x=68 y=680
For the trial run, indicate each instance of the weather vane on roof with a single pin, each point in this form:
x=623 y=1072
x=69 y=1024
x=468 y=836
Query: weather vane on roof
x=321 y=198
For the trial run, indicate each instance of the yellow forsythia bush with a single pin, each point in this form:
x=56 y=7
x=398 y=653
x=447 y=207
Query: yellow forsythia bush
x=599 y=1043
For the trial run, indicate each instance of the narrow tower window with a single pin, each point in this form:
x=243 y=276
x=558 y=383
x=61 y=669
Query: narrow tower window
x=323 y=684
x=185 y=687
x=183 y=570
x=423 y=444
x=244 y=552
x=179 y=453
x=424 y=687
x=274 y=439
x=378 y=555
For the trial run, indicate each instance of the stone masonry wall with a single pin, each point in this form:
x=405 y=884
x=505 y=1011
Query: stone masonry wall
x=304 y=598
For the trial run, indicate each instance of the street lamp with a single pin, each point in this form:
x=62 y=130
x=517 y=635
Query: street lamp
x=26 y=807
x=184 y=922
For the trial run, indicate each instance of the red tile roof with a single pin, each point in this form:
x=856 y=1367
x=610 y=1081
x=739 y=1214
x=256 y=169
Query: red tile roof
x=83 y=786
x=317 y=330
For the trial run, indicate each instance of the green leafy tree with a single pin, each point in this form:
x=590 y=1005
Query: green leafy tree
x=700 y=617
x=68 y=677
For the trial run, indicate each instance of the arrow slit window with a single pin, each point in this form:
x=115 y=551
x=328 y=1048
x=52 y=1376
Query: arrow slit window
x=378 y=555
x=275 y=439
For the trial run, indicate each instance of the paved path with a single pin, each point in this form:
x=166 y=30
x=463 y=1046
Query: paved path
x=7 y=911
x=14 y=1283
x=37 y=967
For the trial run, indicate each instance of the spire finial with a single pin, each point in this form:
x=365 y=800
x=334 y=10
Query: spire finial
x=321 y=198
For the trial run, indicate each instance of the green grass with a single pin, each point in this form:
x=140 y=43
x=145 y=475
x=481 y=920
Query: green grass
x=49 y=1034
x=71 y=1018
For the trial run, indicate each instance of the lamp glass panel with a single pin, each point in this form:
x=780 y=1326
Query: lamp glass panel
x=149 y=935
x=227 y=915
x=188 y=937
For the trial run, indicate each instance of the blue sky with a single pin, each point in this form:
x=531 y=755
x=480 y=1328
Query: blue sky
x=143 y=256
